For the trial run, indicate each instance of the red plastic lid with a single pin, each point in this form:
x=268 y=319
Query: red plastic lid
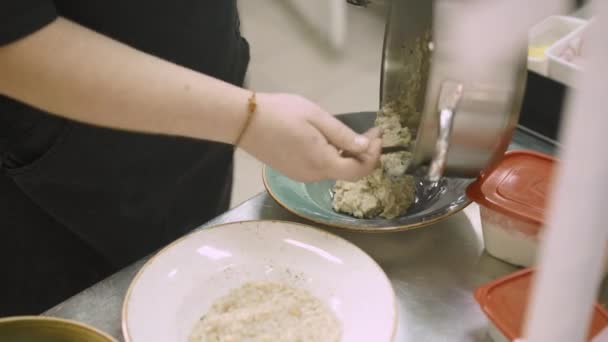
x=504 y=301
x=517 y=186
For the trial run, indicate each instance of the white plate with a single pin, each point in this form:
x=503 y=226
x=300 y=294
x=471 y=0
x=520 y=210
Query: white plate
x=178 y=285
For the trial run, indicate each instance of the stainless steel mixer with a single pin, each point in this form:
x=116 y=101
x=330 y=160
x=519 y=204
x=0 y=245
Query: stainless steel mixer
x=463 y=121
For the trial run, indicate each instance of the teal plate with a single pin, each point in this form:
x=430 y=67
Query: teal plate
x=312 y=201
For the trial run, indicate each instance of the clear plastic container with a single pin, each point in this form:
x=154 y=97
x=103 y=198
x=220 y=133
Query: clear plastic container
x=511 y=198
x=504 y=301
x=567 y=56
x=543 y=35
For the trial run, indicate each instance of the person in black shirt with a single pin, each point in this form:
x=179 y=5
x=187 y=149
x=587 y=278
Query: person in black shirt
x=117 y=120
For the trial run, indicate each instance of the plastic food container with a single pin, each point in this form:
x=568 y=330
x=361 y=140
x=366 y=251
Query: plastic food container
x=543 y=35
x=511 y=199
x=566 y=57
x=504 y=302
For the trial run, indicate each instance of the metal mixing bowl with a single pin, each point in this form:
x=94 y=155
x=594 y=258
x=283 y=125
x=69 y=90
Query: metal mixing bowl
x=480 y=129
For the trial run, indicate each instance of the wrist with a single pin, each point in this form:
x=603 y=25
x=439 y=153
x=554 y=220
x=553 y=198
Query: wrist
x=256 y=107
x=251 y=112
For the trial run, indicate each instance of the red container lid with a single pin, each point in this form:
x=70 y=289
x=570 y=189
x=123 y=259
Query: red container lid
x=504 y=301
x=517 y=186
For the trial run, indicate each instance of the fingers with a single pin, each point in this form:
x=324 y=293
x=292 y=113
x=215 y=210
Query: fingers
x=373 y=133
x=353 y=169
x=340 y=135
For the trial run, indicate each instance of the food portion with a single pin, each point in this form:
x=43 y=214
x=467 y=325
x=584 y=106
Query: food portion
x=267 y=311
x=376 y=195
x=387 y=192
x=393 y=133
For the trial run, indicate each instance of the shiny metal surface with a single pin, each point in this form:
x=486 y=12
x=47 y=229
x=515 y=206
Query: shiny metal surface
x=450 y=96
x=487 y=115
x=433 y=272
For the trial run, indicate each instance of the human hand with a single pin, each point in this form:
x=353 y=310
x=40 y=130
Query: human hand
x=305 y=143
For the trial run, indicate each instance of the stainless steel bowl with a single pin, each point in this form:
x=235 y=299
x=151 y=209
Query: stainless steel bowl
x=466 y=121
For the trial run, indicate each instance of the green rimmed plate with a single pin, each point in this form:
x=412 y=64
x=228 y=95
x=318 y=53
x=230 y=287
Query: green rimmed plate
x=312 y=201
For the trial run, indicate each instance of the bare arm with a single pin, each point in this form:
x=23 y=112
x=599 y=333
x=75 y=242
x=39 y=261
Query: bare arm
x=74 y=72
x=77 y=73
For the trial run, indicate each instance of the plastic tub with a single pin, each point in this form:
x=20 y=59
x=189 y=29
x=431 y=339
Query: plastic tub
x=504 y=301
x=566 y=57
x=543 y=35
x=511 y=199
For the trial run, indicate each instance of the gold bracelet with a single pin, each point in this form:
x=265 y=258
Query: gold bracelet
x=251 y=109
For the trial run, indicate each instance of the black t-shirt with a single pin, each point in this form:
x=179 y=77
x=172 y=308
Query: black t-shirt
x=124 y=194
x=199 y=34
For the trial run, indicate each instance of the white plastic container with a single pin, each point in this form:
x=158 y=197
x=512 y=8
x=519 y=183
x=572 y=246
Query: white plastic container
x=509 y=239
x=543 y=35
x=567 y=56
x=602 y=336
x=511 y=198
x=504 y=301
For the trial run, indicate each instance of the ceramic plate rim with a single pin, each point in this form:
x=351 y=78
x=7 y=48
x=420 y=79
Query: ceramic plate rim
x=125 y=304
x=361 y=228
